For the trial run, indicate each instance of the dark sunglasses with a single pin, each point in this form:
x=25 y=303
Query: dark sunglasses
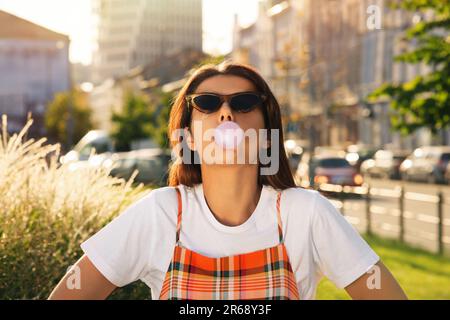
x=239 y=102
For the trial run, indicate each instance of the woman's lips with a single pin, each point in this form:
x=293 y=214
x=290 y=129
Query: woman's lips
x=228 y=135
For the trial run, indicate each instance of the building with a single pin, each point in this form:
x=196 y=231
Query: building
x=108 y=97
x=331 y=46
x=34 y=65
x=322 y=60
x=265 y=46
x=133 y=33
x=276 y=45
x=378 y=48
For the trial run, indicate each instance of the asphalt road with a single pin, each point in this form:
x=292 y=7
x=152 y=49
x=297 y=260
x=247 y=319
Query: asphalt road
x=420 y=212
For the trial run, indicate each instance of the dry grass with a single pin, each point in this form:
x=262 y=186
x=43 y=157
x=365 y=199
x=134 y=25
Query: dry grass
x=46 y=211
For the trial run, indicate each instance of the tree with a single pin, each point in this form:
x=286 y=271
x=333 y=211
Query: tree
x=160 y=119
x=134 y=122
x=425 y=100
x=57 y=116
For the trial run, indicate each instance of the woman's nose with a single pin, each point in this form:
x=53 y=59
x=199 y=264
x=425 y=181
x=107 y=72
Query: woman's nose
x=225 y=113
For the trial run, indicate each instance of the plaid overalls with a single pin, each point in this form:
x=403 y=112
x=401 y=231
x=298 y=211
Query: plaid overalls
x=262 y=274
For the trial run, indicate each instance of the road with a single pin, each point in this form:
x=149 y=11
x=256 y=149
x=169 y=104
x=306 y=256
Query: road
x=420 y=212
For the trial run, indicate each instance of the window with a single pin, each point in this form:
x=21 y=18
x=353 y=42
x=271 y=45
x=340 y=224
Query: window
x=333 y=163
x=445 y=157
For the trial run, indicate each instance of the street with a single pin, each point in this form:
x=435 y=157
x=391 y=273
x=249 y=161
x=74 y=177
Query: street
x=420 y=212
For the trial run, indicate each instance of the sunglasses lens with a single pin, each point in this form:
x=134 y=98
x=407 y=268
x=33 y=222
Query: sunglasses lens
x=245 y=102
x=206 y=102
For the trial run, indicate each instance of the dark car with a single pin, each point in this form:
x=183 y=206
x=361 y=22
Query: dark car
x=152 y=165
x=358 y=153
x=447 y=173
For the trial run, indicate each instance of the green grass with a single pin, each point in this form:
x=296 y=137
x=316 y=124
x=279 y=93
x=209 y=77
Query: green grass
x=421 y=274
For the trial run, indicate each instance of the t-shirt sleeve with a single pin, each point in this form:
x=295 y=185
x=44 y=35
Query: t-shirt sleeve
x=339 y=252
x=121 y=249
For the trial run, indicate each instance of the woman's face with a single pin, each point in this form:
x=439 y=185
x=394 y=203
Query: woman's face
x=202 y=122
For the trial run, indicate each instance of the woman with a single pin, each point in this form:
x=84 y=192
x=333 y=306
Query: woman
x=224 y=230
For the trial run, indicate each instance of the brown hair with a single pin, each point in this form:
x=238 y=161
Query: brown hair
x=180 y=117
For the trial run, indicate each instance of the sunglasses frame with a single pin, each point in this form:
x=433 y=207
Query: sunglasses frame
x=223 y=98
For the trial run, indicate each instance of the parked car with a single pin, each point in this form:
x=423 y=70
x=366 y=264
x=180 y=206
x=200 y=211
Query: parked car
x=357 y=153
x=294 y=151
x=103 y=143
x=330 y=169
x=447 y=173
x=426 y=164
x=384 y=164
x=152 y=165
x=94 y=139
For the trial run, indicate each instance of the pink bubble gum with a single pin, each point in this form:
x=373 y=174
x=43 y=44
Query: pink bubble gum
x=228 y=135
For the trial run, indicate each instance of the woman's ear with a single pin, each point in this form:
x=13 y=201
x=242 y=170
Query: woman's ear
x=189 y=139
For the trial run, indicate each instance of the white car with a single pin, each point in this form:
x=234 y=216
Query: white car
x=426 y=164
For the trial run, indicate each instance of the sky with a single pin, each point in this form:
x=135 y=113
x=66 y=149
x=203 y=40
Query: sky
x=73 y=18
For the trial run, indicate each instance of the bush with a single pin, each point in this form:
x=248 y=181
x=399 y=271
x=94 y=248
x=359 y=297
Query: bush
x=46 y=210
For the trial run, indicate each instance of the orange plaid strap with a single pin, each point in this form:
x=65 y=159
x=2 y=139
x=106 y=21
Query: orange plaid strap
x=280 y=227
x=180 y=207
x=179 y=214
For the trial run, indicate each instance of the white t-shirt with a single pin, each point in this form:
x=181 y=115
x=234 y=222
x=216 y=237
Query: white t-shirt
x=138 y=244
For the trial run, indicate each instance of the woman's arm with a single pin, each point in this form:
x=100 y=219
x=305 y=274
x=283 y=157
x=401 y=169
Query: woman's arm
x=377 y=284
x=85 y=283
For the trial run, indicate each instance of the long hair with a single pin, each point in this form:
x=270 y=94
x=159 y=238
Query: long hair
x=189 y=174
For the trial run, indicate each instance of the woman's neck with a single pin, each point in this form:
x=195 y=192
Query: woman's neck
x=231 y=192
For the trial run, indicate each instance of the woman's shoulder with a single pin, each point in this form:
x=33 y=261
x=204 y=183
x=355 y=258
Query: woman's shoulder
x=163 y=195
x=299 y=195
x=308 y=202
x=167 y=196
x=157 y=206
